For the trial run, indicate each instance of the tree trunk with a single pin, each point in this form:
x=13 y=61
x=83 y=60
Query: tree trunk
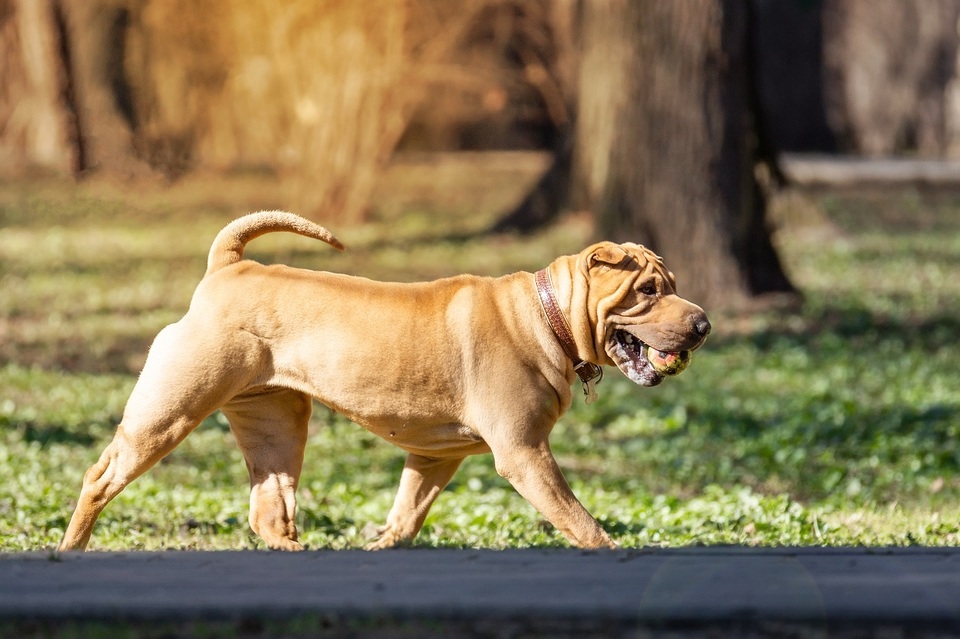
x=787 y=47
x=889 y=66
x=96 y=44
x=36 y=127
x=665 y=142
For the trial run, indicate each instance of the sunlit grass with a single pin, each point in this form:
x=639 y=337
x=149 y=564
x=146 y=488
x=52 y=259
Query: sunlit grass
x=835 y=424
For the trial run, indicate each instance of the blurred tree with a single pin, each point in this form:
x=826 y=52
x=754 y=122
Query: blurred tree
x=36 y=127
x=504 y=83
x=554 y=192
x=665 y=146
x=874 y=77
x=94 y=33
x=666 y=142
x=317 y=91
x=787 y=49
x=890 y=75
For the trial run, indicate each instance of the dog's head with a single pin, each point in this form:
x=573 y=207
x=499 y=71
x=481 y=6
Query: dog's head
x=637 y=320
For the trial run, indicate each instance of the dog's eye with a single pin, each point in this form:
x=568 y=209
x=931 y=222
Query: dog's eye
x=648 y=289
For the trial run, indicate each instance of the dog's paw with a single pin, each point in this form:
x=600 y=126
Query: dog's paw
x=380 y=544
x=387 y=537
x=385 y=541
x=288 y=545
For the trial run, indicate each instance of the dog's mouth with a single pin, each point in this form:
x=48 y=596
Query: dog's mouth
x=643 y=364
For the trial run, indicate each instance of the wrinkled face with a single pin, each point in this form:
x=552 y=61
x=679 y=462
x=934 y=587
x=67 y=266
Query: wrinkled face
x=645 y=328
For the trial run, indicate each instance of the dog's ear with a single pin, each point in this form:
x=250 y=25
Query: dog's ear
x=607 y=253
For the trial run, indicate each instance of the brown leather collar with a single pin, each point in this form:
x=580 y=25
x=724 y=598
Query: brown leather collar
x=589 y=373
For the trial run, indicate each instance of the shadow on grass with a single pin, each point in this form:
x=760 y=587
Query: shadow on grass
x=855 y=326
x=46 y=434
x=112 y=354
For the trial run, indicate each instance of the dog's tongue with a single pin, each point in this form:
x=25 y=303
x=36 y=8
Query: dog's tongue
x=667 y=363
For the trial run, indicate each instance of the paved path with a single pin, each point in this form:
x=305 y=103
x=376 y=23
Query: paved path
x=811 y=169
x=741 y=592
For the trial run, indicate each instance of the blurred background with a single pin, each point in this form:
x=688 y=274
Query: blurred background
x=665 y=122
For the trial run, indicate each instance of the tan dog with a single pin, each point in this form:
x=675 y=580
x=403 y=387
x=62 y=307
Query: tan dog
x=444 y=369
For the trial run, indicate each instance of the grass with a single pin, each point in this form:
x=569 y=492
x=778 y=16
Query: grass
x=835 y=424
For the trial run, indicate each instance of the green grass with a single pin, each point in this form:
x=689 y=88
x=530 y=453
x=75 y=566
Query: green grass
x=834 y=424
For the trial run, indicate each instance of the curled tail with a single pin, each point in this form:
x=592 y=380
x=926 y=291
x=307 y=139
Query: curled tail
x=227 y=248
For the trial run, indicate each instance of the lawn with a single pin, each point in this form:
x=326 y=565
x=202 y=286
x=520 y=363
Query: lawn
x=833 y=424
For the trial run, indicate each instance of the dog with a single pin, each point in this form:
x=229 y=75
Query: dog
x=445 y=369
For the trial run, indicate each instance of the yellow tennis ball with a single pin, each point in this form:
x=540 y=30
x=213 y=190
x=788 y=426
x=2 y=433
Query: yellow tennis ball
x=668 y=363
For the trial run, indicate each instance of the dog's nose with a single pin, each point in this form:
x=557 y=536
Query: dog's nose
x=703 y=326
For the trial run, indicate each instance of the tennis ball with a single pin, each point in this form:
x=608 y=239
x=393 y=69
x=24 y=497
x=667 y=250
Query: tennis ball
x=668 y=363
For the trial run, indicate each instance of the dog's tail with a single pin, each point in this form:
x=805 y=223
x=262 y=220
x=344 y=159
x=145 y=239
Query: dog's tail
x=227 y=248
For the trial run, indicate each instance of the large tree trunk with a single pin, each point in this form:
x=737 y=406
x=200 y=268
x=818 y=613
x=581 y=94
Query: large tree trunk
x=665 y=142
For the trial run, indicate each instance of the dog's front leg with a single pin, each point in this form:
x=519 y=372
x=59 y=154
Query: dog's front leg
x=534 y=472
x=422 y=480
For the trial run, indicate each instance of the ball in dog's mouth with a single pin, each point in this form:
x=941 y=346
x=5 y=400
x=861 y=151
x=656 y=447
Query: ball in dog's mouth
x=642 y=363
x=668 y=363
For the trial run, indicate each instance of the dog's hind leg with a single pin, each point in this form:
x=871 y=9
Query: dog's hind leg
x=422 y=480
x=177 y=389
x=271 y=430
x=124 y=459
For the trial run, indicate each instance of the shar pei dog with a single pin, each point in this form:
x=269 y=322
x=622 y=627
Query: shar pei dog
x=445 y=369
